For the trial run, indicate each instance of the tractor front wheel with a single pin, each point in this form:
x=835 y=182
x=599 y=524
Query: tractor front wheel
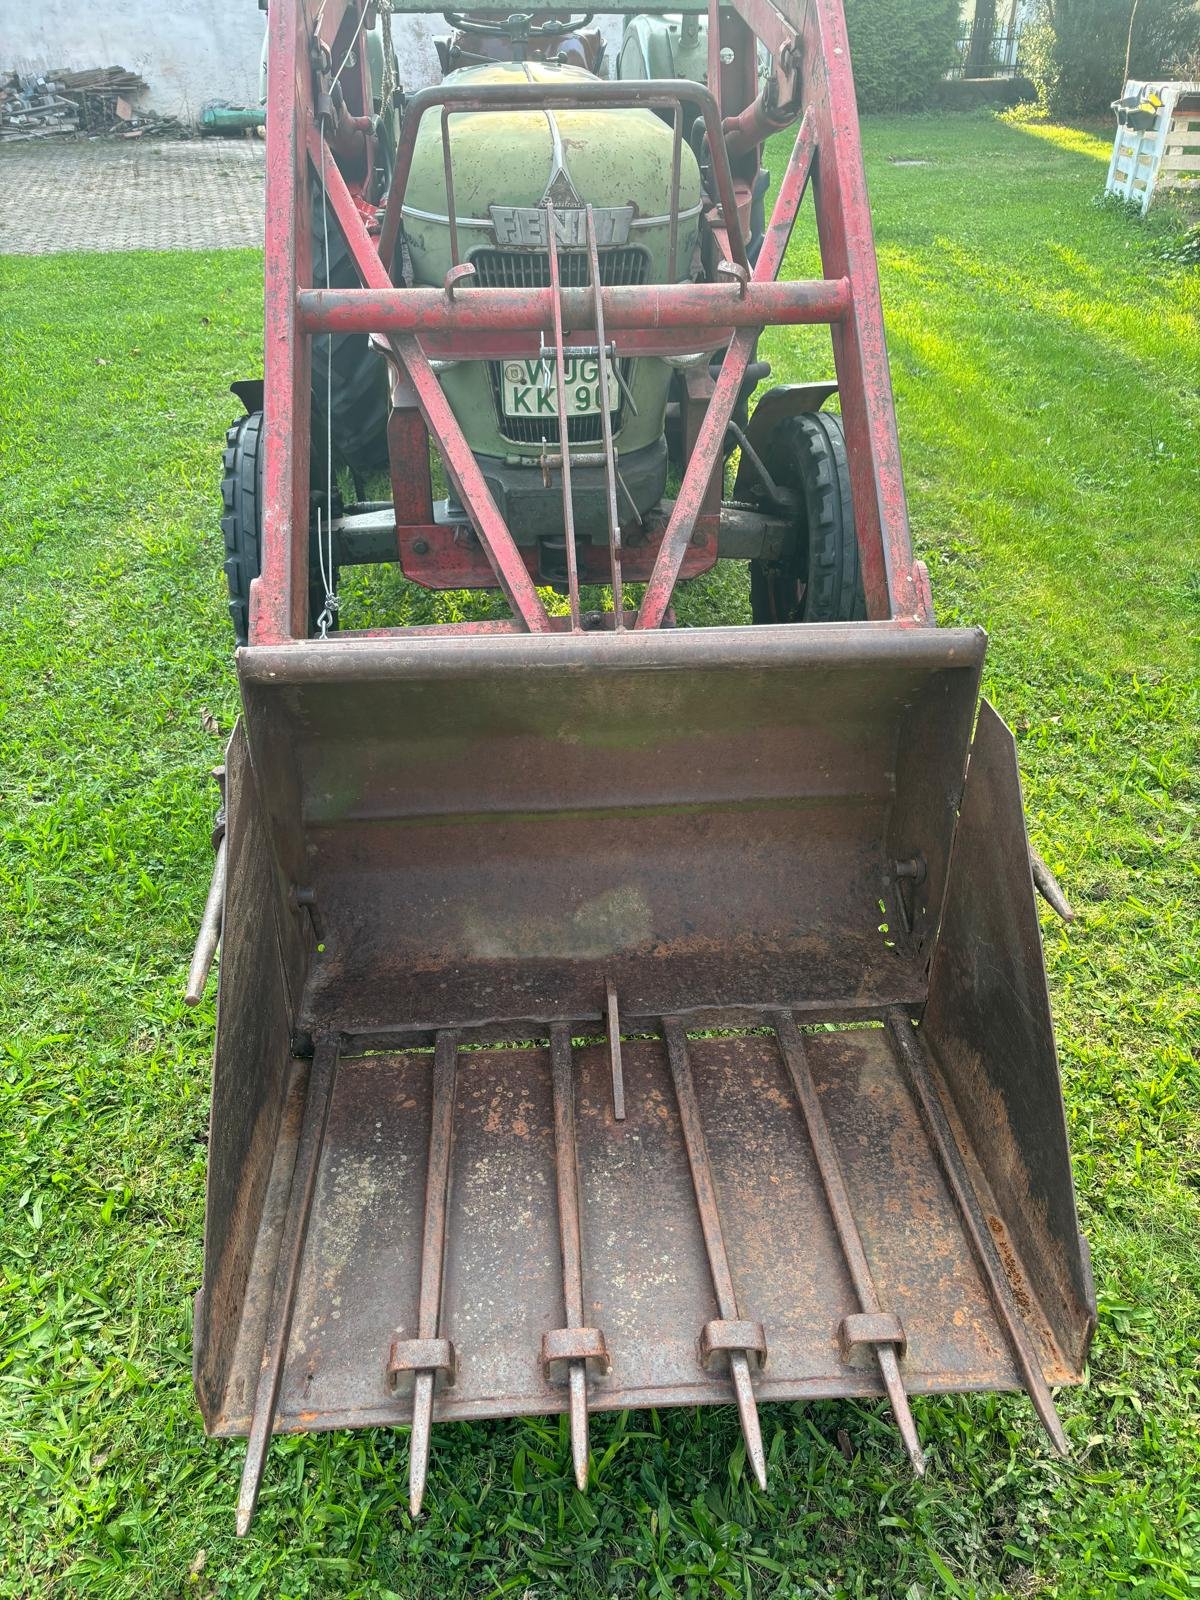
x=241 y=524
x=821 y=580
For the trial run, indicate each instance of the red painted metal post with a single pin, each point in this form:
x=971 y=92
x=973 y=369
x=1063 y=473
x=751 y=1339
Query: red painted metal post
x=279 y=596
x=349 y=219
x=859 y=347
x=408 y=464
x=713 y=41
x=778 y=232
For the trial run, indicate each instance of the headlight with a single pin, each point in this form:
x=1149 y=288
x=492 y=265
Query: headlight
x=688 y=360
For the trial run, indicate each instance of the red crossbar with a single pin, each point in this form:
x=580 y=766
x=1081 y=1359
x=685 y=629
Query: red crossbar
x=653 y=306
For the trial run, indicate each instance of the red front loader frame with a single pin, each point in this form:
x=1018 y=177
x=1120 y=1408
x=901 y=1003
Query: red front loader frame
x=308 y=142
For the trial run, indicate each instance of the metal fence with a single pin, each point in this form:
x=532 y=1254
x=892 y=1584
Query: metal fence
x=990 y=53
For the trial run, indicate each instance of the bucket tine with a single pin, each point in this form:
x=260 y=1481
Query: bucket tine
x=427 y=1354
x=575 y=1344
x=560 y=391
x=418 y=1445
x=730 y=1336
x=873 y=1326
x=610 y=459
x=614 y=1049
x=209 y=936
x=579 y=1424
x=318 y=1097
x=566 y=1177
x=743 y=1394
x=912 y=1054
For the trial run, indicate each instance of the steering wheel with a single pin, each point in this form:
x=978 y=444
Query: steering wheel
x=518 y=26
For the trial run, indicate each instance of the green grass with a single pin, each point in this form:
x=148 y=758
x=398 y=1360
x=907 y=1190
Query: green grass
x=1047 y=368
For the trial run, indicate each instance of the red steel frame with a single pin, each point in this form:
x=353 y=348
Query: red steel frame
x=812 y=83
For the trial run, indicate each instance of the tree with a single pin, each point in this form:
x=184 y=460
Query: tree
x=1078 y=52
x=979 y=63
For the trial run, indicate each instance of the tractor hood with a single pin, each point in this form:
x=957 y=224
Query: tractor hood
x=618 y=161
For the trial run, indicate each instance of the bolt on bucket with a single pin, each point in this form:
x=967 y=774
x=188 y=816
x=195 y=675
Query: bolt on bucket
x=629 y=1021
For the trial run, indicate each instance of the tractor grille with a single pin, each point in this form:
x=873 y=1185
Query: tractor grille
x=530 y=269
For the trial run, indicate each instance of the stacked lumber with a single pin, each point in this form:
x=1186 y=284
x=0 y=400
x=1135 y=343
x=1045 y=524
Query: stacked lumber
x=32 y=106
x=98 y=100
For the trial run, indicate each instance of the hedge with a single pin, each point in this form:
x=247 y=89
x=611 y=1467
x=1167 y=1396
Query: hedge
x=901 y=50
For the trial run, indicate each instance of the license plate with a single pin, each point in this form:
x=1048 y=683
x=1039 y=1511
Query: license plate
x=529 y=388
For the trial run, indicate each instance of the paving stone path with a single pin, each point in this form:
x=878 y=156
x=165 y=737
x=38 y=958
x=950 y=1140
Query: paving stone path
x=130 y=194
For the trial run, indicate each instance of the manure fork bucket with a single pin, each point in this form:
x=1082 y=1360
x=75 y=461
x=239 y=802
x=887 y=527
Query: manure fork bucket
x=519 y=1103
x=613 y=1014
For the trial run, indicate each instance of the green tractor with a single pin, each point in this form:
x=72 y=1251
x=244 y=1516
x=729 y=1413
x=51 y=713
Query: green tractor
x=506 y=165
x=482 y=200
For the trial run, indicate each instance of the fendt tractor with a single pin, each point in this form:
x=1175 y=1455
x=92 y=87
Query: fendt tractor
x=612 y=1013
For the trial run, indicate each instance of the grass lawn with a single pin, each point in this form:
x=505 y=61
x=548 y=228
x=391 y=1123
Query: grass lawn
x=1047 y=369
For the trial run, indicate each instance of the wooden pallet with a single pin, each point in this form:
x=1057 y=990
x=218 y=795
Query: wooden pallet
x=1165 y=156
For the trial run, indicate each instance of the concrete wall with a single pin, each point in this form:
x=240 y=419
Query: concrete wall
x=189 y=51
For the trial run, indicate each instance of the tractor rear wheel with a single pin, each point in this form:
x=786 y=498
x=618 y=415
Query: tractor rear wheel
x=822 y=580
x=346 y=371
x=241 y=524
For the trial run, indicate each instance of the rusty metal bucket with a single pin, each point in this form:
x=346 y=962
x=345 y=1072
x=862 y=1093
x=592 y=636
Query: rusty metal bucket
x=629 y=1021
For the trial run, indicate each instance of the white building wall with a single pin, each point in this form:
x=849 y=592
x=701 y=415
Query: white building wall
x=188 y=51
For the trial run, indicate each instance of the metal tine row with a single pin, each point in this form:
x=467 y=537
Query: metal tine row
x=872 y=1326
x=738 y=1340
x=575 y=1346
x=578 y=1348
x=733 y=1335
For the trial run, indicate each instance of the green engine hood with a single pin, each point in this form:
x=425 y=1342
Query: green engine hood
x=517 y=158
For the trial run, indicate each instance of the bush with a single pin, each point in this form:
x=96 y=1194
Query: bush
x=901 y=49
x=1074 y=50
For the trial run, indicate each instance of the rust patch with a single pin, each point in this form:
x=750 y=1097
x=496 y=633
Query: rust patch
x=1012 y=1267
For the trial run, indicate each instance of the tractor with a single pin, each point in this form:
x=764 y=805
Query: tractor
x=612 y=1013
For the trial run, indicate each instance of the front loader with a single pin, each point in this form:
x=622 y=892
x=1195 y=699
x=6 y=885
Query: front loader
x=612 y=1013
